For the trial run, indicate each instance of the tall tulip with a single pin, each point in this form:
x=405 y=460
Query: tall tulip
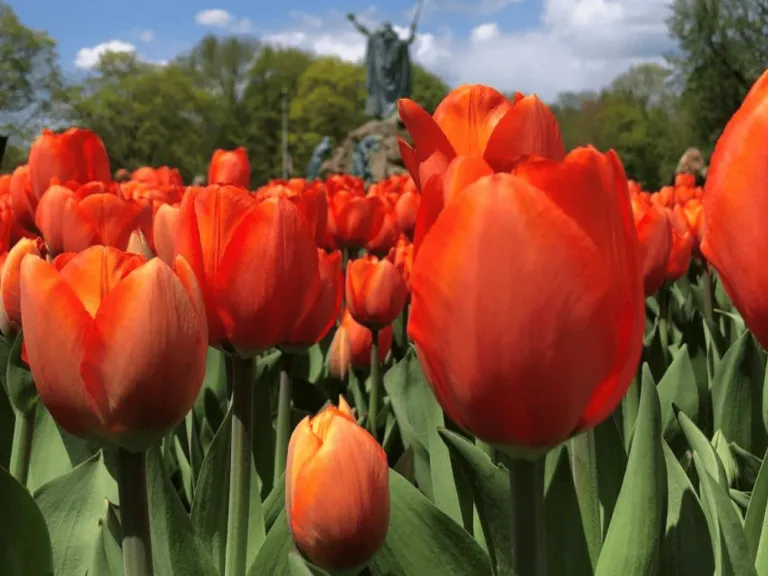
x=330 y=455
x=735 y=202
x=654 y=233
x=230 y=167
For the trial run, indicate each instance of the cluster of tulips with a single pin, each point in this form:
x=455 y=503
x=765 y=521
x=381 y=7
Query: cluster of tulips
x=522 y=270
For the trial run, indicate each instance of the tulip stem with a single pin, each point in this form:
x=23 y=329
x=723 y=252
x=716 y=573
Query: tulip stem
x=240 y=467
x=373 y=403
x=583 y=454
x=707 y=290
x=526 y=481
x=21 y=450
x=134 y=513
x=283 y=417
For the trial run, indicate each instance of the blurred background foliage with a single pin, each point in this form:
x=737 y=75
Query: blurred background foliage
x=228 y=92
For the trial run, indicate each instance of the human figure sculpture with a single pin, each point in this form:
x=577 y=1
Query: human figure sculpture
x=388 y=66
x=361 y=161
x=318 y=156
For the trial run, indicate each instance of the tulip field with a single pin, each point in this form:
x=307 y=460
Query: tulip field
x=510 y=361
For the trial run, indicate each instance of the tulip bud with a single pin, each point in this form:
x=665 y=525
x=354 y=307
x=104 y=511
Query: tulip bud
x=336 y=490
x=10 y=305
x=230 y=167
x=375 y=292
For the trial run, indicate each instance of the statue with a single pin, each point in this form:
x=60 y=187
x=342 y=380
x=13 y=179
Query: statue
x=388 y=66
x=361 y=161
x=318 y=155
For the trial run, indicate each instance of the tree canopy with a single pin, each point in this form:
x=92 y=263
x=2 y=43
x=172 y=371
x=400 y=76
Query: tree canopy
x=228 y=92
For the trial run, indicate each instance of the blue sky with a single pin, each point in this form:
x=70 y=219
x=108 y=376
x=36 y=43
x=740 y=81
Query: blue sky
x=543 y=46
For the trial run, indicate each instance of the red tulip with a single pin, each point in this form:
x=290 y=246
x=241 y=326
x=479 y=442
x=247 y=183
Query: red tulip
x=10 y=304
x=351 y=346
x=654 y=233
x=230 y=167
x=375 y=292
x=116 y=345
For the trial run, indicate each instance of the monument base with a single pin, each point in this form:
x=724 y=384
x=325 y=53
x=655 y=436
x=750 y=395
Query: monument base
x=385 y=161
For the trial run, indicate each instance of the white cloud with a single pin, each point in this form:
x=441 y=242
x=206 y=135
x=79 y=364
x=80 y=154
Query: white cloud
x=147 y=36
x=218 y=18
x=87 y=58
x=482 y=7
x=577 y=44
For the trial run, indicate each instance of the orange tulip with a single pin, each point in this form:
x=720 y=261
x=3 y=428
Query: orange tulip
x=351 y=346
x=10 y=305
x=23 y=202
x=72 y=158
x=230 y=167
x=310 y=200
x=162 y=176
x=387 y=235
x=72 y=221
x=685 y=180
x=655 y=236
x=322 y=313
x=527 y=308
x=165 y=226
x=116 y=345
x=375 y=292
x=402 y=256
x=693 y=210
x=476 y=121
x=406 y=208
x=256 y=263
x=681 y=246
x=332 y=455
x=355 y=220
x=735 y=203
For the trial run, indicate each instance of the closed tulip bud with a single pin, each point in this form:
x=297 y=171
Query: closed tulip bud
x=10 y=304
x=387 y=236
x=230 y=167
x=116 y=344
x=336 y=490
x=76 y=156
x=72 y=221
x=375 y=292
x=351 y=346
x=681 y=246
x=356 y=219
x=654 y=233
x=23 y=202
x=256 y=263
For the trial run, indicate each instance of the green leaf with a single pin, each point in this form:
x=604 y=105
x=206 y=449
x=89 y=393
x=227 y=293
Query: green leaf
x=687 y=550
x=297 y=565
x=211 y=505
x=267 y=373
x=611 y=465
x=176 y=549
x=272 y=558
x=18 y=380
x=25 y=545
x=490 y=491
x=678 y=387
x=732 y=553
x=756 y=520
x=737 y=395
x=274 y=504
x=424 y=541
x=73 y=506
x=107 y=555
x=634 y=539
x=699 y=444
x=567 y=550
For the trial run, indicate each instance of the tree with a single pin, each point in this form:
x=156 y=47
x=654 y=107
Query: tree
x=428 y=89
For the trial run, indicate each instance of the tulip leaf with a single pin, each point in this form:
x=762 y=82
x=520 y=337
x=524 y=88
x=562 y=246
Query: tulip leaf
x=611 y=466
x=211 y=504
x=7 y=422
x=678 y=387
x=272 y=557
x=567 y=550
x=732 y=552
x=18 y=380
x=176 y=548
x=423 y=540
x=73 y=506
x=274 y=504
x=297 y=565
x=25 y=545
x=737 y=395
x=489 y=485
x=107 y=555
x=756 y=520
x=687 y=549
x=634 y=539
x=699 y=444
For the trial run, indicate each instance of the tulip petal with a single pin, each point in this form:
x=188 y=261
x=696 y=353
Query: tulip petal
x=468 y=116
x=112 y=217
x=432 y=148
x=46 y=301
x=463 y=171
x=144 y=347
x=321 y=316
x=165 y=227
x=429 y=209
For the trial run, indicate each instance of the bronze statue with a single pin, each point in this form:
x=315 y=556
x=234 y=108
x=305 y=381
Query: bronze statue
x=388 y=66
x=318 y=156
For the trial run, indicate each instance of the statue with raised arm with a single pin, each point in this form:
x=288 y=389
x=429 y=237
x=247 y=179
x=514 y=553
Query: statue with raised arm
x=388 y=66
x=318 y=156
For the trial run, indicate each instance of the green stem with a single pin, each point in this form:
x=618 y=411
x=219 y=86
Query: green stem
x=240 y=467
x=526 y=482
x=373 y=403
x=707 y=293
x=662 y=297
x=21 y=450
x=584 y=470
x=283 y=417
x=134 y=513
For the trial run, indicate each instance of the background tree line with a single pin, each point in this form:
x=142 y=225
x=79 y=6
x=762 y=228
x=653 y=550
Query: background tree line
x=227 y=92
